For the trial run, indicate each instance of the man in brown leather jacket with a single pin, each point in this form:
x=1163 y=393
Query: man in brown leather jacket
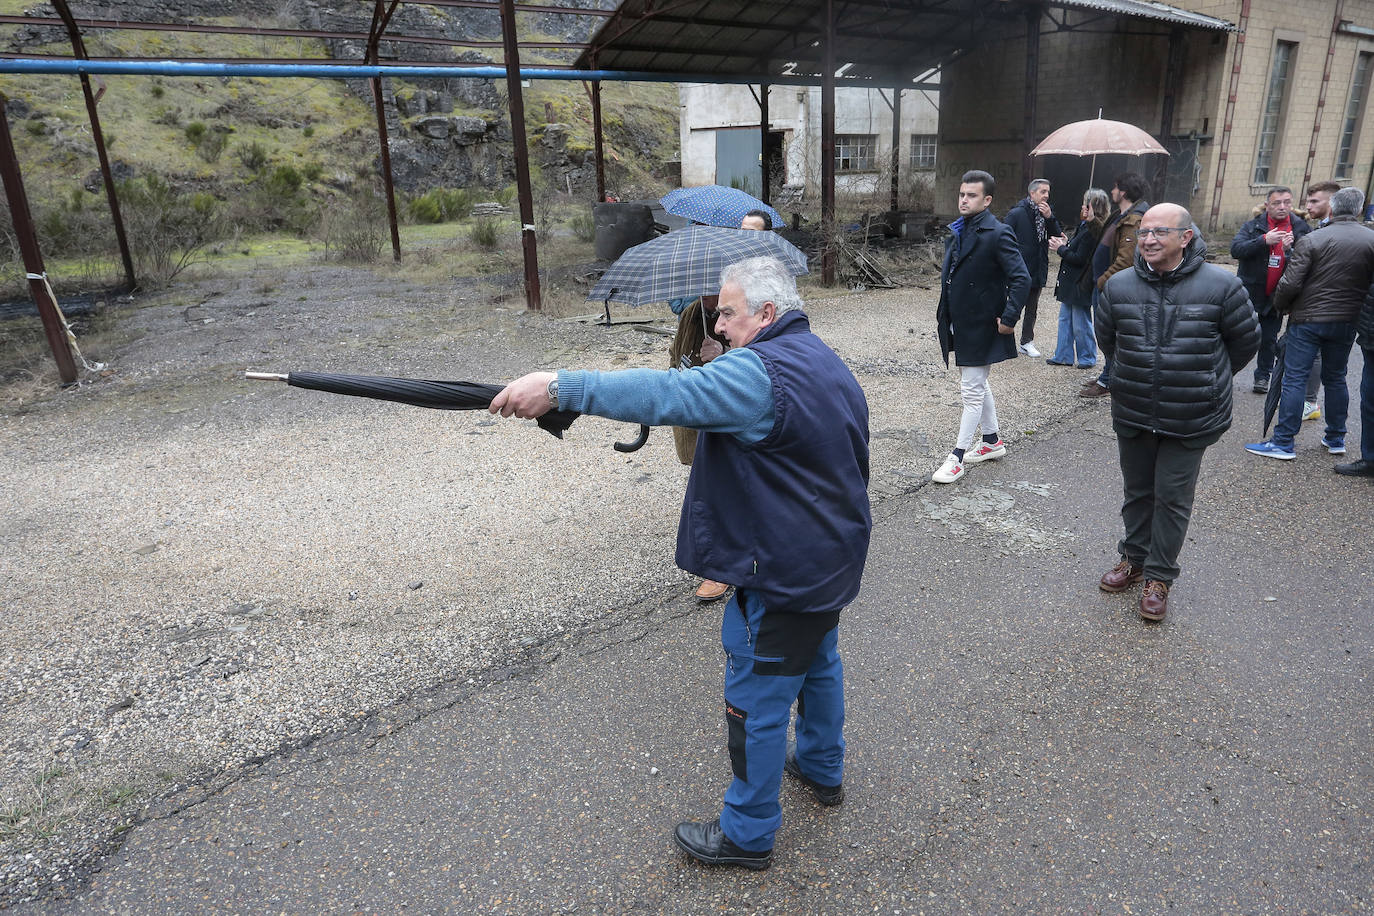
x=1322 y=291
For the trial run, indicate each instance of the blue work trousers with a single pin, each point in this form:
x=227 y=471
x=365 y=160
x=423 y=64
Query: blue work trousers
x=1075 y=343
x=1331 y=341
x=771 y=661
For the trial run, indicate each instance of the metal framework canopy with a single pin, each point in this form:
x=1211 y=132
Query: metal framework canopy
x=887 y=42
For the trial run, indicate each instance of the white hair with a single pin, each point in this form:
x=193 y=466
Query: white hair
x=1347 y=202
x=763 y=279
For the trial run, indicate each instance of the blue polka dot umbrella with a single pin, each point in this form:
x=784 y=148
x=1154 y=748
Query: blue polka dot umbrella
x=716 y=205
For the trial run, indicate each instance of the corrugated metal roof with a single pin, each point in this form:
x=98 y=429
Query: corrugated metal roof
x=887 y=41
x=1143 y=9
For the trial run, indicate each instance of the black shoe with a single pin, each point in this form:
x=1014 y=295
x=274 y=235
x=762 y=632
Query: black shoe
x=1361 y=468
x=708 y=843
x=826 y=795
x=1261 y=386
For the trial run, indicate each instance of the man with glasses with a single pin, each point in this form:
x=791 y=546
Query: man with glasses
x=1261 y=249
x=1178 y=329
x=1322 y=292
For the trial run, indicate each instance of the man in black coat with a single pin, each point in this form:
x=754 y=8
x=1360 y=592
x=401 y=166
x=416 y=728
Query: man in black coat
x=1178 y=329
x=1364 y=327
x=982 y=290
x=1034 y=224
x=1261 y=249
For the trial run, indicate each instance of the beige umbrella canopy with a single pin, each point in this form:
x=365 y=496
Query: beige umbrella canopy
x=1098 y=136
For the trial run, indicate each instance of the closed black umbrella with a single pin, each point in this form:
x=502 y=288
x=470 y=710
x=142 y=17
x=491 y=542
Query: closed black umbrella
x=426 y=393
x=1271 y=397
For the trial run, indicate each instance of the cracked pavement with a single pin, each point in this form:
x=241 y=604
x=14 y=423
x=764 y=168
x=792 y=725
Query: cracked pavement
x=1018 y=740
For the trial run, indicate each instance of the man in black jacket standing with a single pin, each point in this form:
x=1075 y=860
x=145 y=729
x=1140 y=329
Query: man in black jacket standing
x=1261 y=249
x=1034 y=224
x=1178 y=329
x=982 y=290
x=1364 y=465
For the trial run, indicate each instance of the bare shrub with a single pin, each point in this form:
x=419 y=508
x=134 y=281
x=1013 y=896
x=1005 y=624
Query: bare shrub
x=168 y=229
x=353 y=227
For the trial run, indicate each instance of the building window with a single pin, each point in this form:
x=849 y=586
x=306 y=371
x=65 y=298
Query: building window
x=854 y=152
x=1359 y=91
x=923 y=151
x=1273 y=110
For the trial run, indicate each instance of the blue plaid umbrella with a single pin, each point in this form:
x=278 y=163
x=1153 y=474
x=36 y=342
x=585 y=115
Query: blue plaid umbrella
x=688 y=263
x=716 y=205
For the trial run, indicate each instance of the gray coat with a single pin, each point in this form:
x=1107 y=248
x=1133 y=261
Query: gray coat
x=1177 y=339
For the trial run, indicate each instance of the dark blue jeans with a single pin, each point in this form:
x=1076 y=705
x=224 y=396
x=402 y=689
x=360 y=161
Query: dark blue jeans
x=1332 y=341
x=1367 y=407
x=1269 y=323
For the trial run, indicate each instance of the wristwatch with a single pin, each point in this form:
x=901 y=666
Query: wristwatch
x=553 y=393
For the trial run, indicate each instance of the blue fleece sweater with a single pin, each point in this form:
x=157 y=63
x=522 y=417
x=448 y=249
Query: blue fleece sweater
x=731 y=394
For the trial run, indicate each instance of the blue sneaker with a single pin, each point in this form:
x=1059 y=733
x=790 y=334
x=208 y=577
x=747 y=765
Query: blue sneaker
x=1269 y=450
x=1334 y=446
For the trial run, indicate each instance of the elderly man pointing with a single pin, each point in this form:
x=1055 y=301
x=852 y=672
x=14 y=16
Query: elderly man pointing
x=1179 y=329
x=777 y=506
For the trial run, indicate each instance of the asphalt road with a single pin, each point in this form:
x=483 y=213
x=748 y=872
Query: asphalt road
x=1019 y=741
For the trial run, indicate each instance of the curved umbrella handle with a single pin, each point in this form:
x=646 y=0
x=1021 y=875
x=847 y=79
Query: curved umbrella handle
x=637 y=444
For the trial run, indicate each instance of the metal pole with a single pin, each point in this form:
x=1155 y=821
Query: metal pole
x=1172 y=74
x=1224 y=150
x=1321 y=96
x=53 y=327
x=896 y=143
x=1032 y=82
x=766 y=173
x=79 y=49
x=380 y=20
x=522 y=155
x=828 y=147
x=599 y=143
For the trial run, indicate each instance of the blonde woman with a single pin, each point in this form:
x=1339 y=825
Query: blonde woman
x=1074 y=289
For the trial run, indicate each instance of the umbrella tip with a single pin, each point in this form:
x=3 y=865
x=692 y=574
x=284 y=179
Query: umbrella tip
x=265 y=376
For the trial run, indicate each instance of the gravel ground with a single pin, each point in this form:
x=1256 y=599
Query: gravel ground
x=201 y=571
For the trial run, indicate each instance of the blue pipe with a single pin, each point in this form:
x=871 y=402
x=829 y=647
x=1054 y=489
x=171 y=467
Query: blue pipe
x=360 y=71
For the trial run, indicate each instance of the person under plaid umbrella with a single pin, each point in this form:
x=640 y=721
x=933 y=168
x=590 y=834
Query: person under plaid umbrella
x=716 y=205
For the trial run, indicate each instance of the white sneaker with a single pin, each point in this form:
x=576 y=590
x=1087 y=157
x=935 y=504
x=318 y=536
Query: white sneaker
x=1310 y=410
x=950 y=471
x=985 y=452
x=1029 y=349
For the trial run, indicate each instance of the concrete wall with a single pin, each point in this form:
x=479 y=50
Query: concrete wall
x=983 y=97
x=796 y=111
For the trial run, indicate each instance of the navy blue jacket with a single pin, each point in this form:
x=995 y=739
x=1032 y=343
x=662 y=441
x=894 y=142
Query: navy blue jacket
x=1251 y=252
x=985 y=282
x=787 y=516
x=1021 y=219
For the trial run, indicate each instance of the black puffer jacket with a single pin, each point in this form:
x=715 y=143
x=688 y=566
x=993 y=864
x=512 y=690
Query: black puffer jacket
x=1365 y=327
x=1177 y=339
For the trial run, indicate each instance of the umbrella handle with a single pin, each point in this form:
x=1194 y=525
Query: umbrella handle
x=637 y=444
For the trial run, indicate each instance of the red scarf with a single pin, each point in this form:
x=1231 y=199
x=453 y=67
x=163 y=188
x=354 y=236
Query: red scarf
x=1277 y=258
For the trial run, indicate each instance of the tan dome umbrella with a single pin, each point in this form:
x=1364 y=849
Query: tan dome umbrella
x=1098 y=136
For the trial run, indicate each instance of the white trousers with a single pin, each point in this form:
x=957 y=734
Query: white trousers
x=979 y=408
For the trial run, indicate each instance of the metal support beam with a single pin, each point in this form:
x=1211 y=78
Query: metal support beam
x=828 y=226
x=1233 y=87
x=53 y=326
x=1321 y=97
x=896 y=145
x=765 y=166
x=522 y=156
x=1032 y=84
x=380 y=19
x=1173 y=75
x=599 y=143
x=106 y=175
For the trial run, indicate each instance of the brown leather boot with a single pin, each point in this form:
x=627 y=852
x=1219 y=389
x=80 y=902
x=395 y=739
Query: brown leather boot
x=1121 y=576
x=711 y=591
x=1154 y=599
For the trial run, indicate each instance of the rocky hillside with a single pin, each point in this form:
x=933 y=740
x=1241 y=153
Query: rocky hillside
x=215 y=135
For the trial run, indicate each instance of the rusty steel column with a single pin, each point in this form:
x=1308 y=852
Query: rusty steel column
x=828 y=228
x=522 y=155
x=896 y=144
x=53 y=327
x=1032 y=83
x=597 y=141
x=1224 y=150
x=1173 y=74
x=379 y=23
x=1321 y=96
x=98 y=135
x=766 y=172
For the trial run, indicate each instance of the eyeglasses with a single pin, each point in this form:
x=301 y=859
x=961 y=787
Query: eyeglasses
x=1162 y=232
